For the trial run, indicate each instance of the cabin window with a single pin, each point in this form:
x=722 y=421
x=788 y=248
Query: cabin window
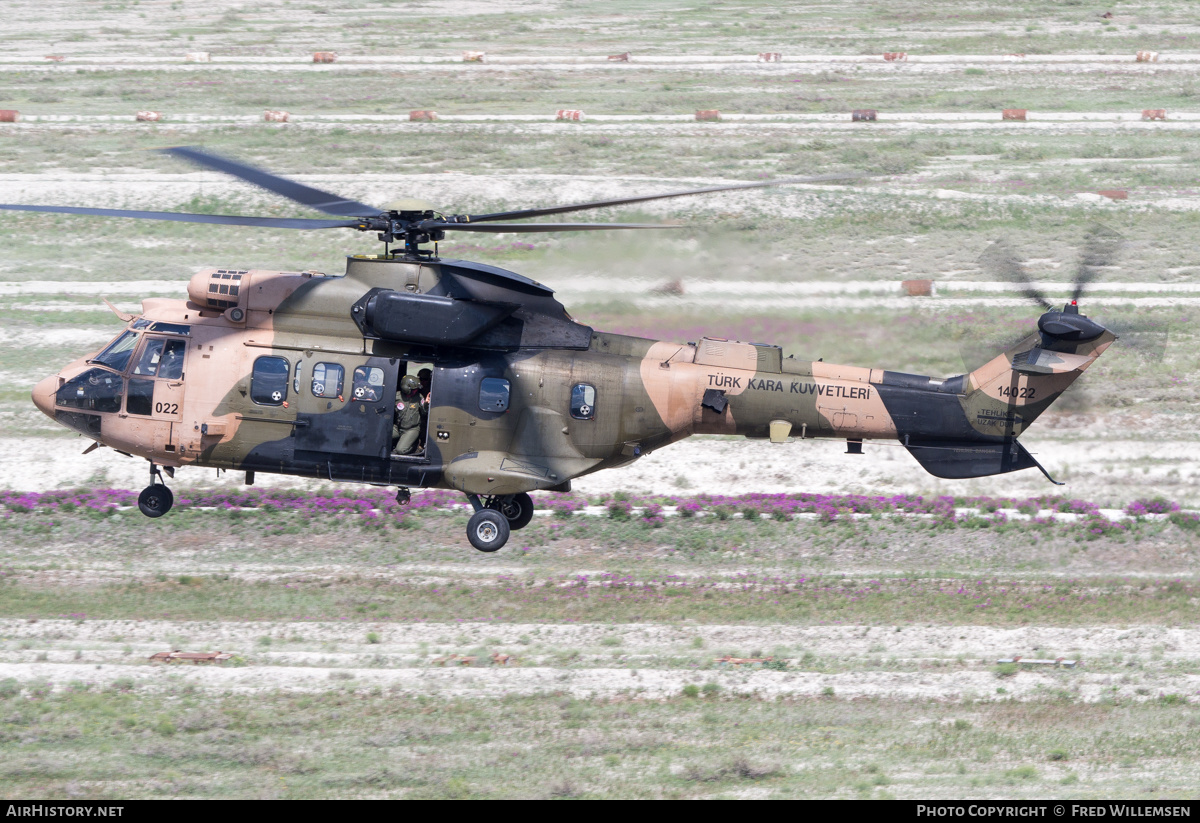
x=327 y=380
x=583 y=401
x=117 y=355
x=493 y=394
x=368 y=384
x=269 y=381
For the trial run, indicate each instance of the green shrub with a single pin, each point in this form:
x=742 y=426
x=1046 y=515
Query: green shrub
x=1022 y=773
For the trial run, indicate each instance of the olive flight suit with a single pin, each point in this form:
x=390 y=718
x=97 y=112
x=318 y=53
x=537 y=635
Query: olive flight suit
x=406 y=425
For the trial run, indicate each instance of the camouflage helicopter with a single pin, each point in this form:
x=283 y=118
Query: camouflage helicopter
x=307 y=374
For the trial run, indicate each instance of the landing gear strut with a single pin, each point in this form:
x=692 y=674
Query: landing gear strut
x=516 y=508
x=156 y=499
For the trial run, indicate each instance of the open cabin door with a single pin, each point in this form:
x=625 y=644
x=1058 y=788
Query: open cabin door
x=344 y=404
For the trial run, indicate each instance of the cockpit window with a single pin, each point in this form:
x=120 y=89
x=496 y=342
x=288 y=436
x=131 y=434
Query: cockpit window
x=95 y=390
x=171 y=328
x=116 y=356
x=161 y=358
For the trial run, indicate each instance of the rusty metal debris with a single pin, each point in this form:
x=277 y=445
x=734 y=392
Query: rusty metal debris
x=497 y=659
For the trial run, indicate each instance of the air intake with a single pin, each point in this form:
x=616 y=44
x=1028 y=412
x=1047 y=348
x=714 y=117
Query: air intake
x=217 y=289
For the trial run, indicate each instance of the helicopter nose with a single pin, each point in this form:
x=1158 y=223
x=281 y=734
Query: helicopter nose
x=43 y=394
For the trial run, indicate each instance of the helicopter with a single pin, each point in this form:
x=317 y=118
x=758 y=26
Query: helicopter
x=308 y=374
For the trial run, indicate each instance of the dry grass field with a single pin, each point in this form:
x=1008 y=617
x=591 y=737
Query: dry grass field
x=593 y=641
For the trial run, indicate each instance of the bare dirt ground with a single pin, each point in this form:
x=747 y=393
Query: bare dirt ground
x=646 y=660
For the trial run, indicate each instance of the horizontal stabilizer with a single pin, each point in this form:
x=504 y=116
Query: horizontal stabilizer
x=965 y=458
x=1043 y=361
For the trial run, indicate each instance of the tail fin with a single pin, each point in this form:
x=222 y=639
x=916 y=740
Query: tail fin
x=1005 y=395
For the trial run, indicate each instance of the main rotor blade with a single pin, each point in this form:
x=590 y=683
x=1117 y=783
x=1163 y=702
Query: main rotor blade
x=313 y=198
x=1001 y=263
x=184 y=217
x=498 y=228
x=1100 y=249
x=622 y=201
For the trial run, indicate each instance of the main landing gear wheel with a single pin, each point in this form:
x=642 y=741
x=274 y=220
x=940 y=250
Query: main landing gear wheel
x=487 y=530
x=155 y=500
x=517 y=509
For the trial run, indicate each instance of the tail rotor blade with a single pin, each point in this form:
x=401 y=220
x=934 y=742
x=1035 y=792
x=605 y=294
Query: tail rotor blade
x=1145 y=338
x=977 y=348
x=1100 y=249
x=1001 y=263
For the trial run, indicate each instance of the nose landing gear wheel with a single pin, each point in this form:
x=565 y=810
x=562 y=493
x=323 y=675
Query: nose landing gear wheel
x=487 y=530
x=518 y=510
x=155 y=500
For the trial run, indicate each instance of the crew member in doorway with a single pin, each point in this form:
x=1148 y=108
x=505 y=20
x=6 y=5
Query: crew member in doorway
x=406 y=428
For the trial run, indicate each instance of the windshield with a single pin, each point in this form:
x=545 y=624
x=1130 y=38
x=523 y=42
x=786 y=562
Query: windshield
x=116 y=356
